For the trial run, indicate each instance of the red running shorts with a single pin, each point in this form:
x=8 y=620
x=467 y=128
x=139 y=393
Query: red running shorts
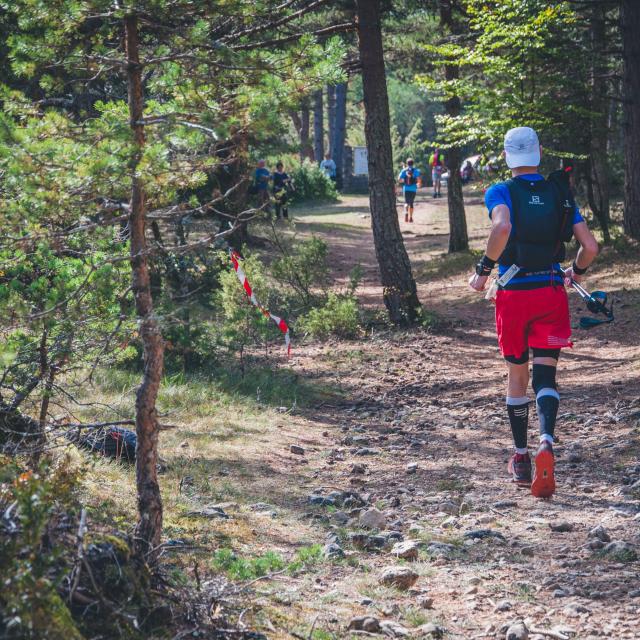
x=532 y=318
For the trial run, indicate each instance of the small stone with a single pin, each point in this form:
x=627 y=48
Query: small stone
x=358 y=469
x=517 y=631
x=373 y=519
x=366 y=602
x=412 y=468
x=366 y=451
x=449 y=507
x=400 y=577
x=503 y=605
x=595 y=544
x=481 y=534
x=333 y=551
x=560 y=593
x=431 y=630
x=393 y=629
x=561 y=527
x=211 y=511
x=184 y=444
x=621 y=551
x=475 y=580
x=441 y=549
x=599 y=533
x=486 y=518
x=340 y=517
x=505 y=504
x=365 y=623
x=574 y=610
x=407 y=550
x=425 y=602
x=574 y=457
x=260 y=506
x=528 y=551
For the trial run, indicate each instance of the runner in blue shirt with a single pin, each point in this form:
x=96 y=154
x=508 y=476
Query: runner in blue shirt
x=261 y=182
x=410 y=180
x=531 y=219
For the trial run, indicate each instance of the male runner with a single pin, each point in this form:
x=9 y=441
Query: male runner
x=410 y=180
x=531 y=218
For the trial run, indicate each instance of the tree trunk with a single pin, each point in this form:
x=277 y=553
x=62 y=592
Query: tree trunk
x=318 y=126
x=306 y=150
x=458 y=237
x=331 y=114
x=630 y=20
x=339 y=131
x=598 y=179
x=149 y=526
x=398 y=285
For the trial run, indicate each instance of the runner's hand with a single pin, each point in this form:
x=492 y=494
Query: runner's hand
x=477 y=283
x=569 y=276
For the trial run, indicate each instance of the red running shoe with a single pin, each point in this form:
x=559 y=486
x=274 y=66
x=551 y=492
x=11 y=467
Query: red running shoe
x=520 y=468
x=544 y=484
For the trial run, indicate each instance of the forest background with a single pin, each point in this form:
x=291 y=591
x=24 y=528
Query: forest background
x=128 y=139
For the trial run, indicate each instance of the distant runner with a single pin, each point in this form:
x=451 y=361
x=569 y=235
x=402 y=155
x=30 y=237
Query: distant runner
x=281 y=188
x=436 y=162
x=410 y=180
x=328 y=167
x=531 y=219
x=261 y=185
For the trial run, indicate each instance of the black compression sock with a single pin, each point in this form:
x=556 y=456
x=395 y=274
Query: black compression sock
x=518 y=410
x=547 y=402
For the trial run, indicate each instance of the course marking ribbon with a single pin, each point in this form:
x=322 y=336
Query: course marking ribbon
x=280 y=323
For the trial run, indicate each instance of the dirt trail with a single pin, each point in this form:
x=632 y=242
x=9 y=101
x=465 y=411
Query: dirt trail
x=419 y=433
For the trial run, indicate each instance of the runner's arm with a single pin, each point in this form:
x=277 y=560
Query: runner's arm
x=586 y=253
x=500 y=231
x=498 y=238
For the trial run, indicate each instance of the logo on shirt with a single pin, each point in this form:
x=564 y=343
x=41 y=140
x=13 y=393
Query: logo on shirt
x=535 y=200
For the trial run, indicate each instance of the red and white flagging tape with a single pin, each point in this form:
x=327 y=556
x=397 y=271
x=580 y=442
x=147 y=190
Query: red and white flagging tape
x=281 y=324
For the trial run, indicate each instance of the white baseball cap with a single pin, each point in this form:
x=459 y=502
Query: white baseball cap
x=522 y=148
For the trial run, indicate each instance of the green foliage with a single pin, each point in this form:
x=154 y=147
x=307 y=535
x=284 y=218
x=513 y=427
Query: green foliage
x=306 y=558
x=30 y=562
x=526 y=54
x=311 y=184
x=339 y=316
x=239 y=568
x=303 y=269
x=242 y=323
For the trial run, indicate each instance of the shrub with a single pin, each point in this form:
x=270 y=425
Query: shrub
x=30 y=562
x=339 y=317
x=242 y=323
x=302 y=269
x=240 y=568
x=311 y=184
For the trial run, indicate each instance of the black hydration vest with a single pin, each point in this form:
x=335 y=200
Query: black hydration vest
x=542 y=223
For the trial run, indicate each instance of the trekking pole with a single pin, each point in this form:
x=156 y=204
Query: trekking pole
x=596 y=303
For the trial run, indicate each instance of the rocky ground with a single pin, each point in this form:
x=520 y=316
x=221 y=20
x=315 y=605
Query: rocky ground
x=400 y=475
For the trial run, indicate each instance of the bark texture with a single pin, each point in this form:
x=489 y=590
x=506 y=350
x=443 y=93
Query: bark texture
x=149 y=526
x=318 y=126
x=598 y=178
x=630 y=20
x=399 y=287
x=339 y=131
x=458 y=237
x=331 y=113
